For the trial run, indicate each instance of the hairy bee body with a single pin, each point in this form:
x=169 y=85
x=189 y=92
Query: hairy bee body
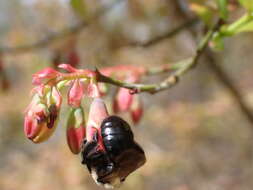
x=117 y=136
x=122 y=155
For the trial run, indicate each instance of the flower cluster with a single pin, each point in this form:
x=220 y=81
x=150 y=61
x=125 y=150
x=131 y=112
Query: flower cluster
x=42 y=115
x=107 y=142
x=125 y=100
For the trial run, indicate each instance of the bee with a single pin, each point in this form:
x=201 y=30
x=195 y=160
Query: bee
x=112 y=154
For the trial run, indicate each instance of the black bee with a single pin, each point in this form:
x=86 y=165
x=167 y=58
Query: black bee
x=121 y=154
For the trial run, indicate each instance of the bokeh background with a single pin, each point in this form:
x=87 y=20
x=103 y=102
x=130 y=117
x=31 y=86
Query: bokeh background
x=195 y=135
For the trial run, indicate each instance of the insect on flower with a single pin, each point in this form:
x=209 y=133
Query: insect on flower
x=106 y=142
x=111 y=154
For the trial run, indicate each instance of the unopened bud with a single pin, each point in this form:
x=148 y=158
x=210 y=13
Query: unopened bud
x=97 y=114
x=75 y=93
x=40 y=123
x=136 y=109
x=92 y=90
x=122 y=101
x=75 y=129
x=42 y=116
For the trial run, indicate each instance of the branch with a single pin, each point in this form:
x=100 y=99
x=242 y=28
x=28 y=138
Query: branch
x=44 y=42
x=169 y=34
x=223 y=76
x=181 y=68
x=184 y=66
x=80 y=26
x=59 y=35
x=226 y=81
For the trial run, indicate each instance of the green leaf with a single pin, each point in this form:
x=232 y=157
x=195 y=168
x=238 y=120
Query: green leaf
x=203 y=12
x=223 y=8
x=79 y=7
x=217 y=42
x=248 y=27
x=243 y=24
x=248 y=4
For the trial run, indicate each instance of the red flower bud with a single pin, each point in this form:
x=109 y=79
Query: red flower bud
x=75 y=93
x=136 y=109
x=122 y=101
x=34 y=120
x=75 y=129
x=42 y=116
x=46 y=74
x=39 y=125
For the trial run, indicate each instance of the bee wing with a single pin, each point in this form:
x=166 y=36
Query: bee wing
x=130 y=160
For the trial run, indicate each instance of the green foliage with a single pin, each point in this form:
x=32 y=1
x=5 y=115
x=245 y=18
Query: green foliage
x=79 y=6
x=243 y=24
x=223 y=8
x=203 y=12
x=248 y=4
x=217 y=42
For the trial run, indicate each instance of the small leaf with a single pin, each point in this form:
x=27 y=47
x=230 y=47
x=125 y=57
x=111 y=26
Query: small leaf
x=79 y=7
x=248 y=4
x=223 y=8
x=248 y=27
x=203 y=12
x=243 y=24
x=217 y=42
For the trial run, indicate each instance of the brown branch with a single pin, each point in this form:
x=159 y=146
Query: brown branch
x=181 y=68
x=83 y=24
x=227 y=82
x=223 y=77
x=45 y=41
x=187 y=24
x=173 y=79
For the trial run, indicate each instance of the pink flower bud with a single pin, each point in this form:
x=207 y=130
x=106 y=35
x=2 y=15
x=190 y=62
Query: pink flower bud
x=92 y=90
x=35 y=116
x=97 y=114
x=68 y=68
x=39 y=123
x=75 y=129
x=136 y=109
x=122 y=101
x=46 y=74
x=75 y=93
x=42 y=116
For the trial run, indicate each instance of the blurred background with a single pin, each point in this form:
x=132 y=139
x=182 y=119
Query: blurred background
x=196 y=136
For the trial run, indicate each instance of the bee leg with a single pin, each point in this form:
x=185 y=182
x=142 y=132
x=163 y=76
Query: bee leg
x=88 y=149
